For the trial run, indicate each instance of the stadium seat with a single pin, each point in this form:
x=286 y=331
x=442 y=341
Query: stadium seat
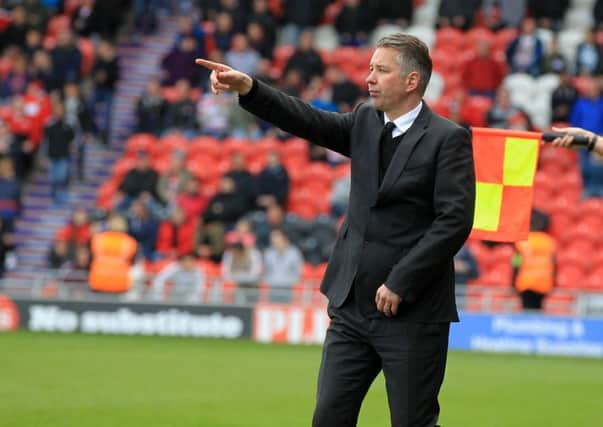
x=547 y=83
x=478 y=34
x=281 y=56
x=205 y=146
x=546 y=37
x=475 y=109
x=503 y=37
x=318 y=172
x=121 y=167
x=449 y=39
x=341 y=170
x=569 y=39
x=435 y=88
x=57 y=24
x=296 y=147
x=424 y=33
x=240 y=146
x=499 y=274
x=594 y=281
x=544 y=183
x=161 y=163
x=426 y=14
x=580 y=19
x=171 y=143
x=263 y=146
x=571 y=256
x=592 y=207
x=104 y=195
x=569 y=277
x=87 y=49
x=331 y=12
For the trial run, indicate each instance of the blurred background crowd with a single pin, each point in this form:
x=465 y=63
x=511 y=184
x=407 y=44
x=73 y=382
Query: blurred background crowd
x=190 y=193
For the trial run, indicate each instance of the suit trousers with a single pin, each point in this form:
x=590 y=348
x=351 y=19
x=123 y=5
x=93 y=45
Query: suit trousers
x=356 y=348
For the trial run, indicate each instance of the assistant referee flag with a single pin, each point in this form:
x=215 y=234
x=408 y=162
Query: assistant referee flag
x=505 y=165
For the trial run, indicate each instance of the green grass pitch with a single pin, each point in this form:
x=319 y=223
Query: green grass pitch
x=82 y=380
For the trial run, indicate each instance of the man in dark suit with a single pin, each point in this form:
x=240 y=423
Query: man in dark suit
x=390 y=280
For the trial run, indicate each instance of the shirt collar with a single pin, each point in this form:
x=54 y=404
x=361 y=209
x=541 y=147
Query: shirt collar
x=405 y=121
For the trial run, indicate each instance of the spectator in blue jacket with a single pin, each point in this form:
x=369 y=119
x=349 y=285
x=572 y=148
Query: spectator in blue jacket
x=588 y=114
x=143 y=227
x=272 y=183
x=525 y=53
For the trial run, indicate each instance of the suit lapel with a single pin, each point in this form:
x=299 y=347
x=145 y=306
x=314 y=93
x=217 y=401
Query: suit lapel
x=375 y=128
x=404 y=150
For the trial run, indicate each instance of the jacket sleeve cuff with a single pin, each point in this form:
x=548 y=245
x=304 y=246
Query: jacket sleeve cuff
x=245 y=99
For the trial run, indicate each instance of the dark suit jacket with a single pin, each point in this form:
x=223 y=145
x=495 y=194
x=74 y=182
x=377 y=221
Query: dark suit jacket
x=405 y=232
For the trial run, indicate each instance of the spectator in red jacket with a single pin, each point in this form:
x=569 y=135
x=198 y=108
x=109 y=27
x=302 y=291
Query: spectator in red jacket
x=191 y=201
x=176 y=235
x=78 y=231
x=483 y=74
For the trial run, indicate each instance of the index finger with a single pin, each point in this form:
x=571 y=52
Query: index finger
x=215 y=66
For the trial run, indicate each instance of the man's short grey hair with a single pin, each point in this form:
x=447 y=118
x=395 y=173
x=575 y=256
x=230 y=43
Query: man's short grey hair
x=413 y=56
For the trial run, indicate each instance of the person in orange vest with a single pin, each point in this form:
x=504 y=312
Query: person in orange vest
x=534 y=265
x=113 y=254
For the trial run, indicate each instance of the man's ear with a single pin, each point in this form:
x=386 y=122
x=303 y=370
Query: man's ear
x=412 y=81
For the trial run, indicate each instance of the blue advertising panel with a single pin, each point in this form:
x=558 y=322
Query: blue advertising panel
x=528 y=334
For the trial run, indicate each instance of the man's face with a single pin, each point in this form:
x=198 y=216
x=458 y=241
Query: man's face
x=387 y=87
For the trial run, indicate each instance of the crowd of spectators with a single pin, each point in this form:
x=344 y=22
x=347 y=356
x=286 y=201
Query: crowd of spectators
x=241 y=219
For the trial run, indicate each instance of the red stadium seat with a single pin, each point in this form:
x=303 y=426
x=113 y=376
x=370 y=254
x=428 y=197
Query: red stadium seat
x=256 y=165
x=122 y=167
x=569 y=276
x=544 y=183
x=592 y=206
x=477 y=34
x=449 y=39
x=104 y=195
x=58 y=24
x=281 y=56
x=499 y=274
x=444 y=62
x=342 y=170
x=265 y=145
x=241 y=146
x=318 y=172
x=87 y=49
x=565 y=205
x=295 y=148
x=169 y=144
x=503 y=37
x=474 y=110
x=571 y=256
x=206 y=146
x=203 y=167
x=594 y=281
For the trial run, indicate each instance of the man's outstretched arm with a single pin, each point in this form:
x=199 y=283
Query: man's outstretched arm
x=331 y=130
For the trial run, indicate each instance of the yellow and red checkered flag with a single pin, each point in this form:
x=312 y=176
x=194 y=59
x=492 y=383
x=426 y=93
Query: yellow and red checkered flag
x=505 y=165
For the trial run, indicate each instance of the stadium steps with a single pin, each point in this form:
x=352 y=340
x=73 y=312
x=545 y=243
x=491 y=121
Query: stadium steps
x=40 y=220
